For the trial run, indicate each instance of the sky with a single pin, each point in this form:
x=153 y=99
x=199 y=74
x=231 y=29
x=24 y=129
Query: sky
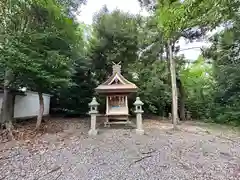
x=132 y=6
x=93 y=6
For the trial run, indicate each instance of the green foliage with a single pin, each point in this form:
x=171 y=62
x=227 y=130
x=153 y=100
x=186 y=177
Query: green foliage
x=176 y=18
x=44 y=49
x=199 y=85
x=74 y=99
x=115 y=39
x=226 y=63
x=154 y=88
x=171 y=18
x=215 y=95
x=30 y=52
x=118 y=36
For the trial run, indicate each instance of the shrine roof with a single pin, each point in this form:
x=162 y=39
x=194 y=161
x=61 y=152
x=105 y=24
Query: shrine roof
x=116 y=82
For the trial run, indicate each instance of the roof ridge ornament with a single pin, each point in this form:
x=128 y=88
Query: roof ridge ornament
x=116 y=67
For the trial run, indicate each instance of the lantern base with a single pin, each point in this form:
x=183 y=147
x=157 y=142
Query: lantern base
x=92 y=132
x=140 y=131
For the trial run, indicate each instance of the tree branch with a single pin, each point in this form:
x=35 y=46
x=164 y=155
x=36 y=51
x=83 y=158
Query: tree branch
x=190 y=48
x=142 y=158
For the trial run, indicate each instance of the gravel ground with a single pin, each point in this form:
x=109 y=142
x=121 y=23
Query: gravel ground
x=192 y=153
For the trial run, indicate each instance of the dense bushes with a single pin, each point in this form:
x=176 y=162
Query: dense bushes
x=213 y=89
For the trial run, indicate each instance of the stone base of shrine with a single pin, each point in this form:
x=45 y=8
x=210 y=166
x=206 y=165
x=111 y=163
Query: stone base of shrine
x=140 y=131
x=107 y=124
x=116 y=119
x=92 y=132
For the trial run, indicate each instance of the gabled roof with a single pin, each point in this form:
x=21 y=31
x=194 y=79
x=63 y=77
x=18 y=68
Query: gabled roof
x=116 y=82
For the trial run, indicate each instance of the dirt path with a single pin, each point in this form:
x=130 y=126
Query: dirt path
x=66 y=152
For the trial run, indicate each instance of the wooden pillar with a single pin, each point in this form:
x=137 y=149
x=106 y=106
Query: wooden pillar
x=107 y=105
x=126 y=101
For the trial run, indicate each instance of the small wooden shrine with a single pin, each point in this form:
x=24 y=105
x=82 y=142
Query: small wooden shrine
x=116 y=89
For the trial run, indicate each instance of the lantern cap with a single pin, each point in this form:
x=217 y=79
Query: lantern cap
x=94 y=102
x=138 y=102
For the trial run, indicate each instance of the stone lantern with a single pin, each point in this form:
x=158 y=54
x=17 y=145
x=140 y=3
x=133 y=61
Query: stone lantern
x=93 y=113
x=138 y=110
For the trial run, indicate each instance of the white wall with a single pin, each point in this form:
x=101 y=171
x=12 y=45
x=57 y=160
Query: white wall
x=28 y=105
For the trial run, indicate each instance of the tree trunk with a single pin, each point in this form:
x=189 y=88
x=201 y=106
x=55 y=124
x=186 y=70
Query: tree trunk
x=1 y=116
x=174 y=87
x=169 y=75
x=168 y=61
x=7 y=100
x=7 y=104
x=41 y=110
x=182 y=101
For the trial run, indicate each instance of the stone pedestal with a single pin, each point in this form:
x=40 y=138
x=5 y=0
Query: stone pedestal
x=140 y=131
x=93 y=113
x=138 y=104
x=93 y=131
